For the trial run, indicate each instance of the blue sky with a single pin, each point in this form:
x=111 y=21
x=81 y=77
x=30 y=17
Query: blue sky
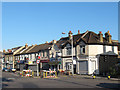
x=38 y=22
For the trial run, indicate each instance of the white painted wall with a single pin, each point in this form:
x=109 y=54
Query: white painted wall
x=116 y=49
x=95 y=49
x=108 y=48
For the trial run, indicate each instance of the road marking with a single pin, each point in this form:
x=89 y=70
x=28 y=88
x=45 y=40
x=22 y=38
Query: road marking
x=10 y=78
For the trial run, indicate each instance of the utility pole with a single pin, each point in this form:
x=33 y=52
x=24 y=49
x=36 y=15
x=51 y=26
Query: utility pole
x=13 y=62
x=72 y=55
x=71 y=38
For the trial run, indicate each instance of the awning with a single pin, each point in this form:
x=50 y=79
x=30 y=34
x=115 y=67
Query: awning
x=44 y=61
x=54 y=62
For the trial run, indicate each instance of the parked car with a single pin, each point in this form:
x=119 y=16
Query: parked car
x=10 y=70
x=5 y=69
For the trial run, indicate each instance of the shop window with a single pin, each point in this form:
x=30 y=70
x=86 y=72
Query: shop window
x=82 y=49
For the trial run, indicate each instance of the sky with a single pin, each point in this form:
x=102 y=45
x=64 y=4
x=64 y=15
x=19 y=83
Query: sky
x=38 y=22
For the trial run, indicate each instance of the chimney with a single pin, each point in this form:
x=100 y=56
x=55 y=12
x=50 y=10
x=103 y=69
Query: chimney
x=26 y=45
x=4 y=51
x=46 y=41
x=70 y=34
x=9 y=50
x=100 y=36
x=78 y=31
x=108 y=37
x=54 y=41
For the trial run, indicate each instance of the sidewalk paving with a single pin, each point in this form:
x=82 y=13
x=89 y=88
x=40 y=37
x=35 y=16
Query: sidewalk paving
x=88 y=77
x=81 y=76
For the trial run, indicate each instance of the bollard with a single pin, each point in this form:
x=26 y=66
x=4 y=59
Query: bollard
x=46 y=74
x=22 y=73
x=56 y=74
x=33 y=74
x=108 y=77
x=93 y=77
x=43 y=74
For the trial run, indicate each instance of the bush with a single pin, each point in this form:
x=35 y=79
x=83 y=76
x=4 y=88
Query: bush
x=114 y=70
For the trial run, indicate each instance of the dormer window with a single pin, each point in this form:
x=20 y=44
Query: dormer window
x=68 y=49
x=82 y=49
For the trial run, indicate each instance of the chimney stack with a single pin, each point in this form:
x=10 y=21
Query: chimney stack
x=108 y=37
x=54 y=41
x=9 y=50
x=70 y=34
x=4 y=51
x=26 y=45
x=100 y=36
x=78 y=31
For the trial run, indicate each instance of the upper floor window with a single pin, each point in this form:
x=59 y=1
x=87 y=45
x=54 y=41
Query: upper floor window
x=43 y=54
x=119 y=53
x=68 y=50
x=82 y=49
x=104 y=49
x=113 y=49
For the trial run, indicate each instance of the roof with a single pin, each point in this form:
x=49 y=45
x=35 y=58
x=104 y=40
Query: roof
x=37 y=48
x=118 y=46
x=64 y=40
x=26 y=49
x=1 y=54
x=21 y=50
x=13 y=50
x=88 y=37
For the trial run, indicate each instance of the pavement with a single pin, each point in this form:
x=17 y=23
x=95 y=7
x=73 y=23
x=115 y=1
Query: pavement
x=78 y=76
x=90 y=77
x=12 y=80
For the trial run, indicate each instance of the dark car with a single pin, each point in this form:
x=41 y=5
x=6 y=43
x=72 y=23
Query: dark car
x=5 y=69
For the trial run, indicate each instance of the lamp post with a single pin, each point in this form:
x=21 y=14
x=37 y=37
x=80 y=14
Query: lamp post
x=71 y=38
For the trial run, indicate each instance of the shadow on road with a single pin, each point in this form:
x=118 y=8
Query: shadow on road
x=109 y=85
x=5 y=81
x=29 y=85
x=72 y=82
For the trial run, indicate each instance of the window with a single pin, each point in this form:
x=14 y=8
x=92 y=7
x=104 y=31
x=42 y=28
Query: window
x=43 y=54
x=52 y=54
x=59 y=66
x=113 y=49
x=68 y=50
x=82 y=49
x=48 y=54
x=119 y=53
x=104 y=49
x=30 y=56
x=68 y=66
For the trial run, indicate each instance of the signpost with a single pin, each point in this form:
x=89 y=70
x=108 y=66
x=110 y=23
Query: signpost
x=38 y=61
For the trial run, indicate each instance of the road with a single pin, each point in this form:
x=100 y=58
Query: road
x=11 y=80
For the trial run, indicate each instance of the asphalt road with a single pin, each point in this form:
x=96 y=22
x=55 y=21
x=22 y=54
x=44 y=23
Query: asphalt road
x=11 y=80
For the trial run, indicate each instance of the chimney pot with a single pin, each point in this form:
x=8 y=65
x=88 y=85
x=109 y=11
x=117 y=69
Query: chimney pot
x=4 y=51
x=78 y=31
x=100 y=36
x=26 y=45
x=100 y=32
x=54 y=41
x=70 y=34
x=108 y=36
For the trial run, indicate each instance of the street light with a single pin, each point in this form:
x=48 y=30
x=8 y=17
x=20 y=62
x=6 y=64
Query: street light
x=71 y=38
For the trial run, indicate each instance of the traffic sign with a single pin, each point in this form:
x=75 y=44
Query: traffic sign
x=38 y=57
x=38 y=61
